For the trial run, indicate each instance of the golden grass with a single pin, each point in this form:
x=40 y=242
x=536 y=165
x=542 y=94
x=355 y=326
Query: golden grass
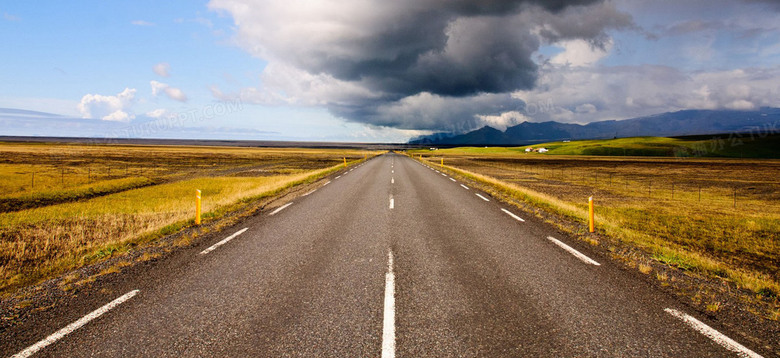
x=45 y=241
x=704 y=234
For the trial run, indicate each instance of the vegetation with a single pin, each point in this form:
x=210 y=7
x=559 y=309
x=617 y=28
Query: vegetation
x=78 y=213
x=716 y=217
x=728 y=146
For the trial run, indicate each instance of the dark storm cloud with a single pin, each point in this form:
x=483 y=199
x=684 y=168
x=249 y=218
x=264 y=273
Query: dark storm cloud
x=397 y=50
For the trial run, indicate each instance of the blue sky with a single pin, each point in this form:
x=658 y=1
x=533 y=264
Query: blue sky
x=336 y=71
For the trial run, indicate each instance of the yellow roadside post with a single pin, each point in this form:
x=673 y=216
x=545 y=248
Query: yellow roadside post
x=197 y=206
x=345 y=162
x=591 y=223
x=442 y=162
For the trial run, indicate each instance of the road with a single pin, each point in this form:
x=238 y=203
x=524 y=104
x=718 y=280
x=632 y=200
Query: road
x=390 y=258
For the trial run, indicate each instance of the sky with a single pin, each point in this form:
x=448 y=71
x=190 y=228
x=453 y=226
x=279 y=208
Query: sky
x=373 y=70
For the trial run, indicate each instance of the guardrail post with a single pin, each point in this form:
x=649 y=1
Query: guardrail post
x=591 y=223
x=197 y=207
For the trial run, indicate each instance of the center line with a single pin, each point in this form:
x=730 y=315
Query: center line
x=392 y=202
x=482 y=197
x=714 y=335
x=464 y=187
x=75 y=325
x=392 y=180
x=574 y=252
x=512 y=215
x=453 y=180
x=388 y=327
x=280 y=208
x=224 y=241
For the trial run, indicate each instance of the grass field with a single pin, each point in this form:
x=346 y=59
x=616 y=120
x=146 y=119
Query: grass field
x=727 y=146
x=717 y=217
x=88 y=202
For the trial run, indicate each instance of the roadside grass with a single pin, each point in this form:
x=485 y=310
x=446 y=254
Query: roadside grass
x=43 y=242
x=57 y=228
x=697 y=226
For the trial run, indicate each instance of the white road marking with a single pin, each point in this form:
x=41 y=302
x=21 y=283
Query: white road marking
x=326 y=183
x=75 y=325
x=714 y=335
x=444 y=175
x=392 y=202
x=388 y=326
x=453 y=180
x=464 y=187
x=309 y=193
x=338 y=177
x=280 y=208
x=513 y=215
x=224 y=241
x=574 y=252
x=392 y=180
x=482 y=197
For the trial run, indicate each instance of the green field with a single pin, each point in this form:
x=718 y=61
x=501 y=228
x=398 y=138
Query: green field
x=726 y=146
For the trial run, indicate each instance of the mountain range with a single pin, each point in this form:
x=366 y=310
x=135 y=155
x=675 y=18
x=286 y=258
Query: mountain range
x=670 y=124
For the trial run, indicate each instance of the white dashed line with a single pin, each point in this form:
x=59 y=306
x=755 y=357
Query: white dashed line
x=392 y=202
x=482 y=197
x=75 y=325
x=388 y=326
x=464 y=187
x=326 y=183
x=444 y=175
x=513 y=215
x=309 y=193
x=574 y=252
x=714 y=335
x=453 y=180
x=224 y=241
x=338 y=177
x=392 y=180
x=280 y=209
x=392 y=172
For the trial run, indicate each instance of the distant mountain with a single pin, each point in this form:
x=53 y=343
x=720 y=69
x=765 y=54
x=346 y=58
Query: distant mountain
x=671 y=124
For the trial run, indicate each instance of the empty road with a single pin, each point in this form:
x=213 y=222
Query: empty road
x=391 y=259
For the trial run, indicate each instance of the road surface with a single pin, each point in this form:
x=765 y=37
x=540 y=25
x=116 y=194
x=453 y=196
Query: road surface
x=390 y=258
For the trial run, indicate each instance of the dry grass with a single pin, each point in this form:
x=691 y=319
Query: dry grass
x=681 y=211
x=47 y=240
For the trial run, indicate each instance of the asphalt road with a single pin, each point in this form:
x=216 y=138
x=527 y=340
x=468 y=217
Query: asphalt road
x=388 y=259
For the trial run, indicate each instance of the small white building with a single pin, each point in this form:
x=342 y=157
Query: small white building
x=528 y=150
x=542 y=150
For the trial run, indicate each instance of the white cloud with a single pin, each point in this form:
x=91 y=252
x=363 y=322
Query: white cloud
x=586 y=94
x=158 y=113
x=141 y=23
x=172 y=92
x=10 y=17
x=581 y=53
x=162 y=69
x=503 y=120
x=108 y=108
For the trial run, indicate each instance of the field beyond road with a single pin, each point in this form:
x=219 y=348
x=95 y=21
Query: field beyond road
x=715 y=217
x=65 y=206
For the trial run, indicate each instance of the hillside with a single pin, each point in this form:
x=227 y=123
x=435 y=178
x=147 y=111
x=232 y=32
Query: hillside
x=728 y=146
x=672 y=124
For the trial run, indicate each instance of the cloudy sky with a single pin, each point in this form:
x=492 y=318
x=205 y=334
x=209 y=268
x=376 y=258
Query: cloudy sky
x=373 y=70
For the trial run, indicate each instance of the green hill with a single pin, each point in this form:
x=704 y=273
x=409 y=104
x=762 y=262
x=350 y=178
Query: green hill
x=726 y=145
